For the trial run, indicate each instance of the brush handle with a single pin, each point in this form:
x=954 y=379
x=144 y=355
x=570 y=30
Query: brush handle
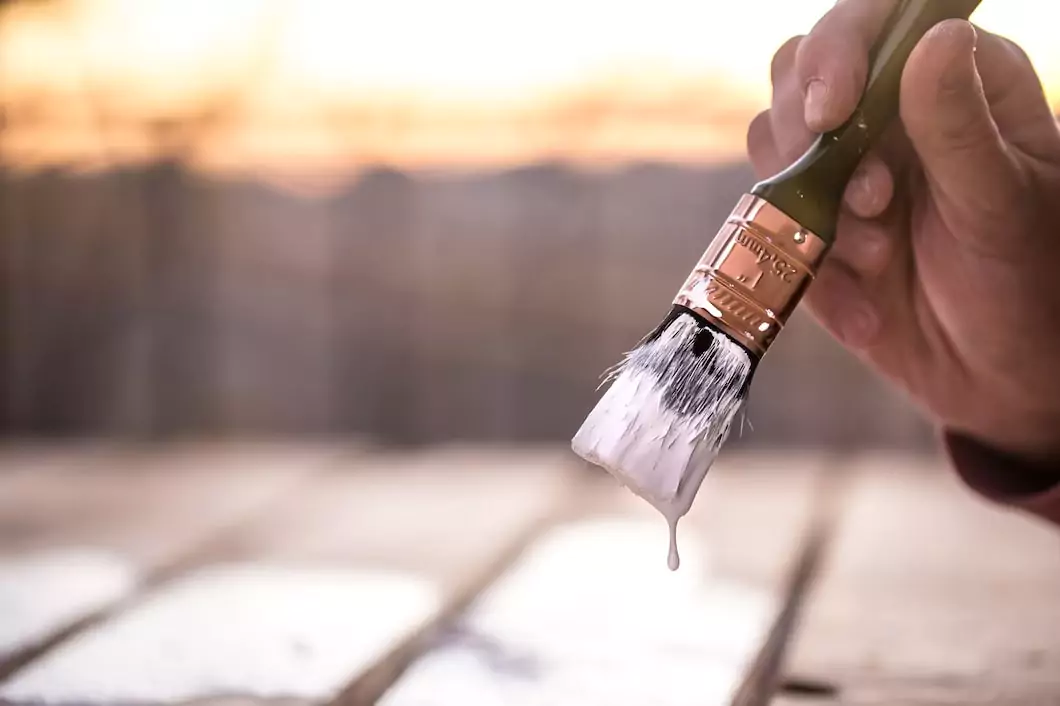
x=811 y=190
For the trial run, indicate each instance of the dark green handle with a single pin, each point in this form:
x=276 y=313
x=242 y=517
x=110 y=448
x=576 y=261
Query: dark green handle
x=811 y=189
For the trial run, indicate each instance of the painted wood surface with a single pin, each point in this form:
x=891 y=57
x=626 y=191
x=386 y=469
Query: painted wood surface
x=325 y=575
x=249 y=630
x=43 y=592
x=81 y=530
x=303 y=600
x=931 y=596
x=591 y=614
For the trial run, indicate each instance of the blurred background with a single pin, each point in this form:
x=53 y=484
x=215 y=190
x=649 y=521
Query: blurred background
x=412 y=220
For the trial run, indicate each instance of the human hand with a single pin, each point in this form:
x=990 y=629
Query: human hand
x=945 y=275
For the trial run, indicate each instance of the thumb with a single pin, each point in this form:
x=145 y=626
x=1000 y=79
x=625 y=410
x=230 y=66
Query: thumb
x=968 y=166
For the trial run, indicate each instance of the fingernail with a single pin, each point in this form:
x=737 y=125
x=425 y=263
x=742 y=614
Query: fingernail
x=860 y=326
x=816 y=98
x=863 y=181
x=961 y=62
x=861 y=196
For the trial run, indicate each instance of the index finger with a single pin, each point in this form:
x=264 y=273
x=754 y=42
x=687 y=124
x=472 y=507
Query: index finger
x=833 y=60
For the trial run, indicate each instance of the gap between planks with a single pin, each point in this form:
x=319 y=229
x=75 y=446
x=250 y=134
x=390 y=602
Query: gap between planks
x=764 y=564
x=930 y=595
x=370 y=686
x=764 y=678
x=450 y=510
x=151 y=566
x=767 y=563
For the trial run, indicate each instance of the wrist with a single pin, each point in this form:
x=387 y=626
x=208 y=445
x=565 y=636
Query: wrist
x=1003 y=467
x=1022 y=430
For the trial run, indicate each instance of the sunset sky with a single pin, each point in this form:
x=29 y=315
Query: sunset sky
x=323 y=84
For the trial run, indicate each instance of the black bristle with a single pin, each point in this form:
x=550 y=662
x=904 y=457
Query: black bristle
x=703 y=342
x=693 y=374
x=707 y=332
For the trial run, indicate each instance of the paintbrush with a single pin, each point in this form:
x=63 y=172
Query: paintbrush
x=671 y=402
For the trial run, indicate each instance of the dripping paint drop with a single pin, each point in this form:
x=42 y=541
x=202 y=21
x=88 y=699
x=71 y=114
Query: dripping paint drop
x=673 y=559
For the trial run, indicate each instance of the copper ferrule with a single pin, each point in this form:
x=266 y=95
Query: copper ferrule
x=754 y=273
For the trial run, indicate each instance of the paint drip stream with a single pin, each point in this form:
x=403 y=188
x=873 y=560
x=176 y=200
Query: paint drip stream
x=673 y=559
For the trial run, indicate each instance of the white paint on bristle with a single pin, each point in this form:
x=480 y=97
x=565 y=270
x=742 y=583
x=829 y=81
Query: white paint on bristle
x=660 y=425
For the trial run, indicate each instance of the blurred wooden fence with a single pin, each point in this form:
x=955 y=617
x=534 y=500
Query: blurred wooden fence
x=152 y=302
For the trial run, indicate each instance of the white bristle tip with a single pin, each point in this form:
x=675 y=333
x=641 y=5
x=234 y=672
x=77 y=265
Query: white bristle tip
x=658 y=433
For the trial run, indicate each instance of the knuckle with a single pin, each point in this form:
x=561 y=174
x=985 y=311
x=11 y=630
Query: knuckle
x=759 y=127
x=841 y=39
x=827 y=54
x=784 y=59
x=1017 y=51
x=821 y=56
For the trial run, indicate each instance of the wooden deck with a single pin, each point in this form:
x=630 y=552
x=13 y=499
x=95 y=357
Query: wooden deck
x=328 y=574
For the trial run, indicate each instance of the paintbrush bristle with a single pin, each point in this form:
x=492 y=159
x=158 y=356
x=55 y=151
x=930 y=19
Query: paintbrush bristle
x=668 y=410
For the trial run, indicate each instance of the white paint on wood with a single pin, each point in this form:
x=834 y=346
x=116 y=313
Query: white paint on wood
x=446 y=513
x=44 y=592
x=590 y=615
x=236 y=630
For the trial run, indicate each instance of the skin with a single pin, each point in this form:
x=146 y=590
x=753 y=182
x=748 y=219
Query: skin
x=945 y=275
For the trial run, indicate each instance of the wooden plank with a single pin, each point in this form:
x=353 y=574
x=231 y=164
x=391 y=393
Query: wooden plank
x=42 y=592
x=26 y=457
x=151 y=505
x=436 y=512
x=591 y=614
x=239 y=629
x=931 y=596
x=78 y=539
x=336 y=584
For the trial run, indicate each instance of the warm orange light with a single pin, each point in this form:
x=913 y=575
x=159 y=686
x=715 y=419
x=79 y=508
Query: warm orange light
x=329 y=83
